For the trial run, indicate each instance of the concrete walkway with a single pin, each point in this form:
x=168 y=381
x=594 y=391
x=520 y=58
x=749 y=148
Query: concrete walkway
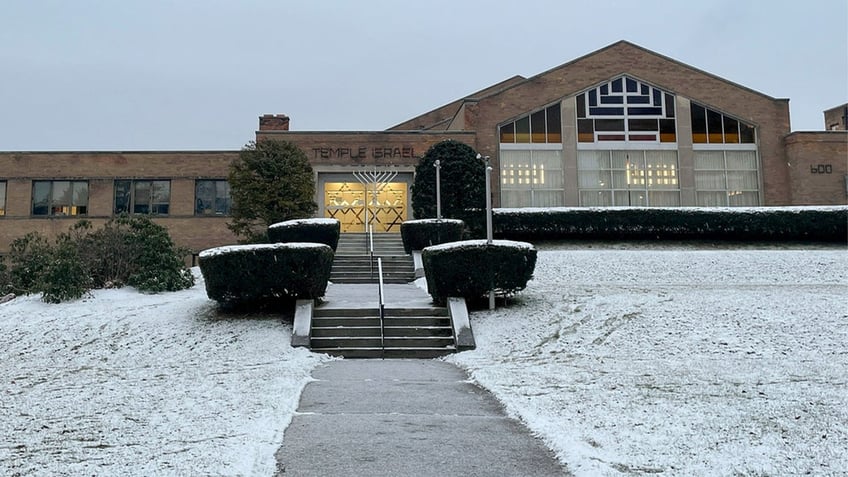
x=405 y=418
x=367 y=295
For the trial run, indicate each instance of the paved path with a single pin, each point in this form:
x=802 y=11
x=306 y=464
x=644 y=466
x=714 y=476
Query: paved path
x=405 y=418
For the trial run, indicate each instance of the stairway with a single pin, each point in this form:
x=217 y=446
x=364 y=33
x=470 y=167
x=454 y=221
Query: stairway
x=352 y=262
x=356 y=333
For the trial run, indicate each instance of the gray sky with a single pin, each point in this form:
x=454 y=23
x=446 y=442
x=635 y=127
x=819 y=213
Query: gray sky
x=196 y=74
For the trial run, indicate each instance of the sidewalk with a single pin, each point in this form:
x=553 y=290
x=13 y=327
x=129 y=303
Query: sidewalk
x=405 y=418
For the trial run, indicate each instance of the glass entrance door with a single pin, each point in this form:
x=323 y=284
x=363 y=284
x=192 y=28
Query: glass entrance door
x=346 y=202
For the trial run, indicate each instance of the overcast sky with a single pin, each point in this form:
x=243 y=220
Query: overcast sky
x=197 y=74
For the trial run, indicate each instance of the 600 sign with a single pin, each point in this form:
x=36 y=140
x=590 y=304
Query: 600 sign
x=821 y=169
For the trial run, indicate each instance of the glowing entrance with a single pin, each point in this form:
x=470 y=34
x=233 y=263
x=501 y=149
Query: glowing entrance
x=345 y=201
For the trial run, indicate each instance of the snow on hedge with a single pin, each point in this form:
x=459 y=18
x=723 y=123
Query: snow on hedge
x=299 y=222
x=211 y=252
x=700 y=210
x=479 y=243
x=433 y=221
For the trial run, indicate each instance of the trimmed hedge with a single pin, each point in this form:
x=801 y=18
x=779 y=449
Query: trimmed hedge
x=472 y=268
x=814 y=224
x=418 y=234
x=324 y=231
x=248 y=275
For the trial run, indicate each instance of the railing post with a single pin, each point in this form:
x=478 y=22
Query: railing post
x=382 y=304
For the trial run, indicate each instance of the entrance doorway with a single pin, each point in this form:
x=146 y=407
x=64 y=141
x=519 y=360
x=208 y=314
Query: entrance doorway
x=386 y=210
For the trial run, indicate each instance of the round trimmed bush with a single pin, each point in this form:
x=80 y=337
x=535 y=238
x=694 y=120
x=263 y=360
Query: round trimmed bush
x=470 y=269
x=324 y=231
x=418 y=234
x=240 y=275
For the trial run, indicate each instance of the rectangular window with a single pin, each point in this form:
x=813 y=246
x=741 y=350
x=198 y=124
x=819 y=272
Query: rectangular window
x=2 y=198
x=531 y=178
x=726 y=178
x=59 y=198
x=142 y=197
x=628 y=178
x=212 y=197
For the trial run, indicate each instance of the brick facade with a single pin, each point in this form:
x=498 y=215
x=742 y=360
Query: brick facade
x=818 y=164
x=785 y=160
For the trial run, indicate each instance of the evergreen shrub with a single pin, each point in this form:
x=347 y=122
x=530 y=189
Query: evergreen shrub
x=418 y=234
x=257 y=275
x=472 y=268
x=324 y=231
x=814 y=224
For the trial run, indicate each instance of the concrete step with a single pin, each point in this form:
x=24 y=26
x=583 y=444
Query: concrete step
x=328 y=331
x=409 y=353
x=347 y=342
x=414 y=331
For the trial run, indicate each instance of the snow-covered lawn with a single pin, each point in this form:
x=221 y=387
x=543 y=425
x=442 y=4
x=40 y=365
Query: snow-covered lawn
x=627 y=360
x=640 y=360
x=128 y=384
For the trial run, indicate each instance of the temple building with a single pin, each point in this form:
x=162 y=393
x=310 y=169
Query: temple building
x=621 y=126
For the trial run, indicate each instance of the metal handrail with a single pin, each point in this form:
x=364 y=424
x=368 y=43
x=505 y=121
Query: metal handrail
x=370 y=246
x=382 y=302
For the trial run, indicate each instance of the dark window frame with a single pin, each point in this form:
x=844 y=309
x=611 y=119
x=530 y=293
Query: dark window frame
x=131 y=189
x=52 y=204
x=214 y=209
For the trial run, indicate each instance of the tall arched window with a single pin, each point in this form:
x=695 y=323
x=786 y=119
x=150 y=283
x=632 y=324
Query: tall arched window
x=627 y=145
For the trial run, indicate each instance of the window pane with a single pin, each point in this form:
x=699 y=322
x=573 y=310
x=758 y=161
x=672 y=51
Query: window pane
x=40 y=197
x=537 y=127
x=80 y=199
x=669 y=106
x=585 y=130
x=587 y=160
x=204 y=197
x=554 y=124
x=714 y=127
x=731 y=130
x=711 y=199
x=593 y=179
x=699 y=124
x=741 y=180
x=668 y=131
x=642 y=125
x=743 y=199
x=609 y=125
x=2 y=199
x=595 y=198
x=62 y=196
x=160 y=197
x=709 y=160
x=522 y=130
x=746 y=133
x=222 y=197
x=744 y=160
x=708 y=180
x=508 y=133
x=141 y=197
x=581 y=105
x=122 y=196
x=663 y=199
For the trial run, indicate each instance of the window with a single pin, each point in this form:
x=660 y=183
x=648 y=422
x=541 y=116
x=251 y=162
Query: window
x=712 y=127
x=625 y=110
x=726 y=178
x=628 y=178
x=59 y=198
x=542 y=127
x=2 y=198
x=531 y=178
x=142 y=197
x=212 y=197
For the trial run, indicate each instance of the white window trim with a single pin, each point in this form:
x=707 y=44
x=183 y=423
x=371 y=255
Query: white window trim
x=627 y=146
x=524 y=146
x=724 y=147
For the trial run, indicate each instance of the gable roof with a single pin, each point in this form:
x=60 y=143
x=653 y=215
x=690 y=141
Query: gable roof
x=441 y=118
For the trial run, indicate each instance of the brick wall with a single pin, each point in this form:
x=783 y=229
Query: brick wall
x=818 y=164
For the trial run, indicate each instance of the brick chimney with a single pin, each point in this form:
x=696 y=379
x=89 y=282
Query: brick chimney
x=273 y=122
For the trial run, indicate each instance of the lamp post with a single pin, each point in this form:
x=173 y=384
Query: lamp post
x=438 y=166
x=488 y=216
